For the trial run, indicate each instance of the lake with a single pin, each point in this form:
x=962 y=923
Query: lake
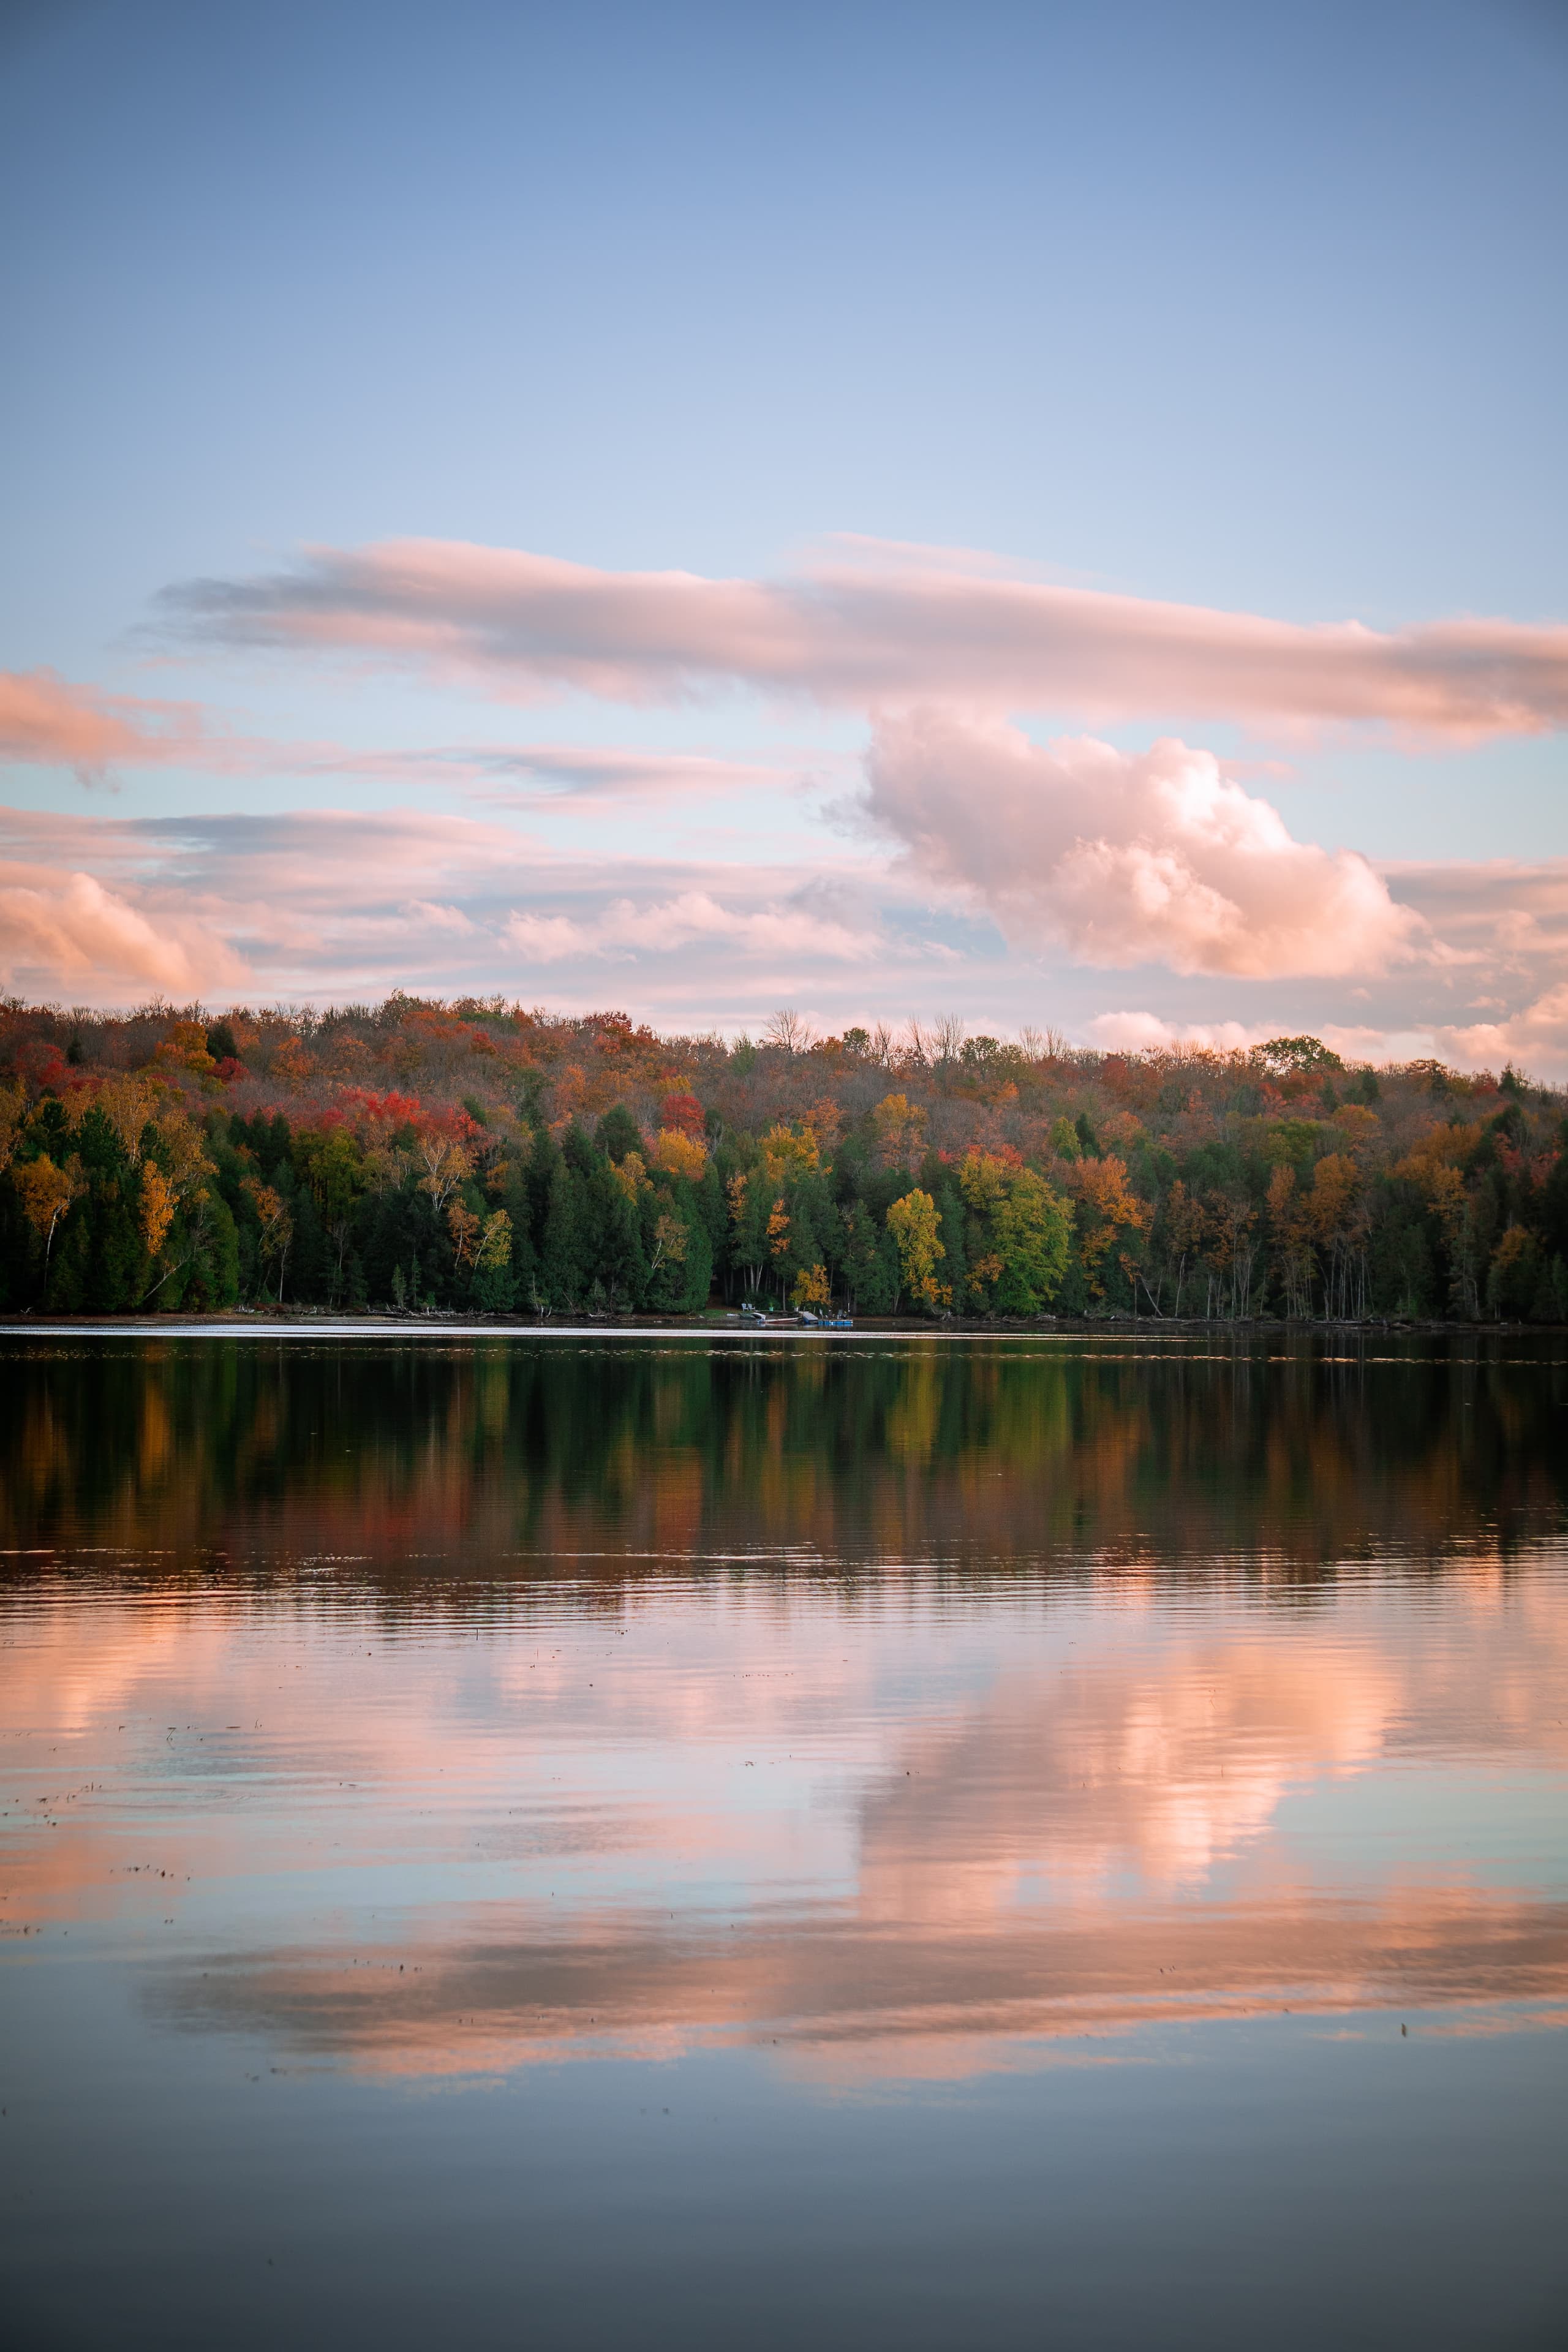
x=559 y=1840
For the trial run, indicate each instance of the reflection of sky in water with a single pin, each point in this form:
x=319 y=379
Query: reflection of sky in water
x=875 y=1832
x=692 y=1952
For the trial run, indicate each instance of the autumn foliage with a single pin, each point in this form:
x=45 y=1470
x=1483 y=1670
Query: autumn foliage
x=482 y=1157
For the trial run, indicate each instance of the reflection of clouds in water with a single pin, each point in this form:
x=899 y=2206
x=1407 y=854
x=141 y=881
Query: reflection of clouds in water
x=843 y=1999
x=896 y=1833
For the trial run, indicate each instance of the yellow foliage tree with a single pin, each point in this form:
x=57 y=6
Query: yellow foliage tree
x=276 y=1226
x=129 y=1104
x=899 y=1126
x=811 y=1287
x=494 y=1252
x=982 y=1179
x=678 y=1154
x=158 y=1202
x=186 y=1048
x=447 y=1165
x=632 y=1176
x=464 y=1227
x=789 y=1152
x=45 y=1194
x=1108 y=1209
x=914 y=1223
x=670 y=1240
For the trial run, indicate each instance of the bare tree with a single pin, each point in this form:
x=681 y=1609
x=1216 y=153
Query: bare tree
x=788 y=1030
x=1053 y=1046
x=947 y=1035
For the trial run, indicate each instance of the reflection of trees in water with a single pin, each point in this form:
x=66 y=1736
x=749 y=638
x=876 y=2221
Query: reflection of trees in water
x=914 y=1450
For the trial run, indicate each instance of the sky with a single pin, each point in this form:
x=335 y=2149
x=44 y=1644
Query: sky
x=1042 y=515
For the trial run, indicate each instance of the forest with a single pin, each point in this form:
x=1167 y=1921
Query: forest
x=480 y=1158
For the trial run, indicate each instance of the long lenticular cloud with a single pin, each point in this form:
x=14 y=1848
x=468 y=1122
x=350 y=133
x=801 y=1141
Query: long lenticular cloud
x=882 y=632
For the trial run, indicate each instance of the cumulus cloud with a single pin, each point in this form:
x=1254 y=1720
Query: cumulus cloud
x=437 y=917
x=695 y=918
x=774 y=927
x=62 y=929
x=1137 y=1032
x=1126 y=858
x=548 y=939
x=895 y=624
x=47 y=722
x=1535 y=1038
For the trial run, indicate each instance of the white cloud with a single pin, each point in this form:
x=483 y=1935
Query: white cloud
x=432 y=916
x=1127 y=858
x=1136 y=1033
x=547 y=939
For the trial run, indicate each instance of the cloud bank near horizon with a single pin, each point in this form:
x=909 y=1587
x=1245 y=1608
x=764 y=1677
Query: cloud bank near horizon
x=323 y=906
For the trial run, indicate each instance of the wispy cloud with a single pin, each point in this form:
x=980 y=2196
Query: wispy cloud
x=592 y=772
x=47 y=721
x=44 y=720
x=893 y=626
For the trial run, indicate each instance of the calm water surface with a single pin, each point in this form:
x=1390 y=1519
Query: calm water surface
x=896 y=1843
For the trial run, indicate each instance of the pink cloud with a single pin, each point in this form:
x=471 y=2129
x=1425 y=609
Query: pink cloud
x=695 y=918
x=601 y=771
x=776 y=928
x=859 y=633
x=66 y=929
x=45 y=720
x=1154 y=858
x=323 y=903
x=1068 y=1839
x=1535 y=1038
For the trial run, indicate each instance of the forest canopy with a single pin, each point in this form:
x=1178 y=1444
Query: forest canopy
x=483 y=1158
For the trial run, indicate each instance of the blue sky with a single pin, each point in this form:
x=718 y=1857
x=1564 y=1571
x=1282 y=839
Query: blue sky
x=1247 y=307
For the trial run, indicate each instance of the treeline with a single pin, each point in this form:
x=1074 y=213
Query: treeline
x=481 y=1158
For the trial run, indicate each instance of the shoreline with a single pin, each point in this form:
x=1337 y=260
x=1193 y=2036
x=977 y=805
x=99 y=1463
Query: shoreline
x=323 y=1324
